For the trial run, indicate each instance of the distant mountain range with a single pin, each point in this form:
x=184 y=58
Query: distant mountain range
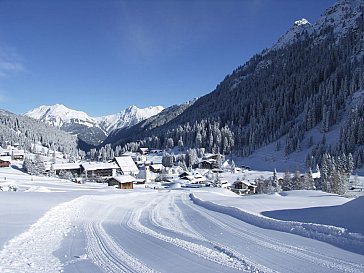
x=92 y=130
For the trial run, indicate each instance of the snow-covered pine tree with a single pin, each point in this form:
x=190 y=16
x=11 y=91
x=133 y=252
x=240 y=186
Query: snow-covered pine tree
x=309 y=183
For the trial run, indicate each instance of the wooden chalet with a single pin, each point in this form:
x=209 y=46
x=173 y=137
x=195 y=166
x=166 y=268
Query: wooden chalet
x=122 y=182
x=17 y=154
x=193 y=178
x=156 y=168
x=242 y=187
x=4 y=163
x=99 y=170
x=205 y=164
x=143 y=150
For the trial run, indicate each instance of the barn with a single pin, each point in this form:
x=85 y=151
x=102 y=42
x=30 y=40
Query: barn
x=242 y=187
x=122 y=182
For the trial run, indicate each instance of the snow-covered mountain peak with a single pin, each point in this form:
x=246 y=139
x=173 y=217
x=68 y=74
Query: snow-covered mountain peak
x=128 y=117
x=340 y=17
x=131 y=108
x=301 y=22
x=58 y=114
x=297 y=31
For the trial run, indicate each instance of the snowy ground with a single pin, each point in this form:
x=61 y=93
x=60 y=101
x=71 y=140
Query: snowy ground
x=57 y=226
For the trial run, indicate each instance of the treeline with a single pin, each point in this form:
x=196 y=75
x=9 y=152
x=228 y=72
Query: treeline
x=334 y=177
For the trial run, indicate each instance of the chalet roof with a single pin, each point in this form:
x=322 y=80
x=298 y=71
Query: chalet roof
x=66 y=166
x=129 y=154
x=316 y=175
x=209 y=156
x=18 y=152
x=207 y=161
x=124 y=178
x=157 y=166
x=99 y=166
x=244 y=182
x=126 y=164
x=185 y=174
x=4 y=161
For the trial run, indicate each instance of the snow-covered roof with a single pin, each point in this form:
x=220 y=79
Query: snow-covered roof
x=99 y=166
x=157 y=166
x=5 y=157
x=66 y=166
x=126 y=164
x=124 y=178
x=226 y=164
x=316 y=175
x=244 y=182
x=208 y=155
x=129 y=154
x=18 y=152
x=186 y=174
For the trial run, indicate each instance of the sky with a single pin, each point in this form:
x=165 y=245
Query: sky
x=103 y=56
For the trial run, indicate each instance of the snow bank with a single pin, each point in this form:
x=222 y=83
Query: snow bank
x=32 y=250
x=38 y=189
x=330 y=234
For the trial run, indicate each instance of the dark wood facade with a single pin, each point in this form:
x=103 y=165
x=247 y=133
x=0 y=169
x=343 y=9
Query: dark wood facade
x=4 y=163
x=124 y=185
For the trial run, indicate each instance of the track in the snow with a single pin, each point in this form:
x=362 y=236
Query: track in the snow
x=152 y=232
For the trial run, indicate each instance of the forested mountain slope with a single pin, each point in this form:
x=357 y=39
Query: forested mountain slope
x=25 y=131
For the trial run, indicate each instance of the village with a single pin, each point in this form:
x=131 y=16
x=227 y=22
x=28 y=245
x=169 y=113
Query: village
x=158 y=169
x=142 y=168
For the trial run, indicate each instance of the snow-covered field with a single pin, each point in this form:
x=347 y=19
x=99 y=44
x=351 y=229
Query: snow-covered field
x=52 y=225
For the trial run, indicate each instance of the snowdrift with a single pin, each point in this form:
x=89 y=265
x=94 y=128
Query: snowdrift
x=337 y=236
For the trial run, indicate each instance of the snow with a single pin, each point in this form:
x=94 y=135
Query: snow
x=128 y=117
x=53 y=225
x=92 y=166
x=59 y=115
x=66 y=166
x=124 y=178
x=253 y=209
x=301 y=22
x=126 y=164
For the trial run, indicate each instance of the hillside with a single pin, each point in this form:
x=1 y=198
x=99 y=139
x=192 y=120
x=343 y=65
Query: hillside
x=304 y=81
x=25 y=131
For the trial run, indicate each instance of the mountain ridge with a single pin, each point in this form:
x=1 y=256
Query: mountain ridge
x=90 y=129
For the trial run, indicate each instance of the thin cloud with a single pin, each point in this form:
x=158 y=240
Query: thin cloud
x=10 y=62
x=2 y=97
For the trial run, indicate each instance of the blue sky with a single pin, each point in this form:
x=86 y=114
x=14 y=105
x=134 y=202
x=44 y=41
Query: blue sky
x=102 y=56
